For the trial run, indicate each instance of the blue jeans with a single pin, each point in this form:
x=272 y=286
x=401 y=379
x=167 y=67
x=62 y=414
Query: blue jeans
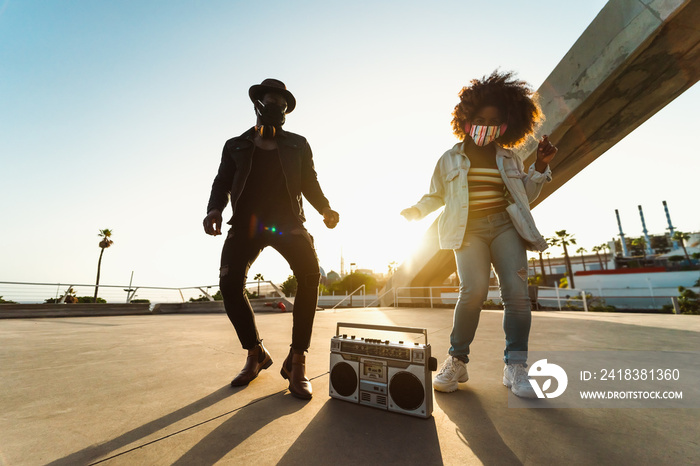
x=492 y=240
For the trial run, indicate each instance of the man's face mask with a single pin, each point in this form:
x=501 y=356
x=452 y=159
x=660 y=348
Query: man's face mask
x=484 y=135
x=271 y=116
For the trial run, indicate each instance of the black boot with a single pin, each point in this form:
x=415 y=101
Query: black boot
x=294 y=370
x=258 y=359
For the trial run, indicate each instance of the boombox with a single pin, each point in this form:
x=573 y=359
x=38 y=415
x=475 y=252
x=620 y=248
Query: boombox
x=394 y=376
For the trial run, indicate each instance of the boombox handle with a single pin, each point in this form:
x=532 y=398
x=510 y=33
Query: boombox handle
x=389 y=328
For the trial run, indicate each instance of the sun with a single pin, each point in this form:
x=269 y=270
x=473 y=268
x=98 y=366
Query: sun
x=376 y=245
x=371 y=240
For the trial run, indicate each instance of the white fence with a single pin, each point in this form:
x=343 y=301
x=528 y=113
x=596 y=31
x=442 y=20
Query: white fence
x=31 y=293
x=643 y=298
x=652 y=299
x=436 y=295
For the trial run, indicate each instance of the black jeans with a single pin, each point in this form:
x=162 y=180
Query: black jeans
x=239 y=253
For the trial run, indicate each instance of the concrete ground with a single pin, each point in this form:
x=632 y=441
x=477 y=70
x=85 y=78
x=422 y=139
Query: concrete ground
x=131 y=390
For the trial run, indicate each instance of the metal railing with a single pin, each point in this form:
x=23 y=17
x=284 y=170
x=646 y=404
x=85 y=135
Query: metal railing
x=432 y=296
x=32 y=292
x=549 y=297
x=349 y=296
x=569 y=295
x=379 y=298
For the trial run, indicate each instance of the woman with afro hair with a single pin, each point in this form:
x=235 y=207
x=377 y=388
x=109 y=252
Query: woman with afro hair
x=486 y=193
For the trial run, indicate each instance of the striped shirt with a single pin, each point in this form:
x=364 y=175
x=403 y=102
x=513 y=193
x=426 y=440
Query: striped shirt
x=487 y=193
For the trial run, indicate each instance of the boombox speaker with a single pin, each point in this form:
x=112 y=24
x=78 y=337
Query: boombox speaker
x=394 y=376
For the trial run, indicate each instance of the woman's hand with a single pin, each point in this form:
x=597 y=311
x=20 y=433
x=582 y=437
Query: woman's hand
x=412 y=213
x=545 y=153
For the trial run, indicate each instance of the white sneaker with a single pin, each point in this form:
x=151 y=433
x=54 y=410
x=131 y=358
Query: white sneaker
x=515 y=377
x=452 y=373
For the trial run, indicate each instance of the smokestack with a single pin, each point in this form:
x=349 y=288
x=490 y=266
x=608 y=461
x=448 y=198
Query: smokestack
x=622 y=235
x=646 y=233
x=671 y=228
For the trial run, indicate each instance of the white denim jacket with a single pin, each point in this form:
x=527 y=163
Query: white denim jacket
x=449 y=187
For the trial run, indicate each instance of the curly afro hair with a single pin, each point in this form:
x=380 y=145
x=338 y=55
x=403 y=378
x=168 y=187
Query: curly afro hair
x=514 y=99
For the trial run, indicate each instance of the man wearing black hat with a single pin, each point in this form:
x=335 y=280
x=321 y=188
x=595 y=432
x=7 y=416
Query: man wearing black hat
x=264 y=172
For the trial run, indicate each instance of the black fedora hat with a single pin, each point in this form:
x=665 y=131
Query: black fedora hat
x=257 y=91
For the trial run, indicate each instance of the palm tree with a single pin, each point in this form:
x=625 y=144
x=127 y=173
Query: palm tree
x=596 y=250
x=533 y=266
x=605 y=248
x=583 y=261
x=549 y=261
x=641 y=243
x=393 y=266
x=259 y=278
x=682 y=237
x=565 y=239
x=106 y=242
x=544 y=275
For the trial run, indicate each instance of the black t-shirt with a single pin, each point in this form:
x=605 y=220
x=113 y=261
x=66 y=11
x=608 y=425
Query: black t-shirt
x=264 y=204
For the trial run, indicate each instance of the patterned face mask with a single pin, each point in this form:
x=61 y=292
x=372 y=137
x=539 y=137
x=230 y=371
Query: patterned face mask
x=484 y=135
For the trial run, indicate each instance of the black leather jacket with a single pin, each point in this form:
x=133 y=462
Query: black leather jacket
x=297 y=166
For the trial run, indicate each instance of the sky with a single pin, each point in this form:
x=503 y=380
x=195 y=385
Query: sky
x=113 y=115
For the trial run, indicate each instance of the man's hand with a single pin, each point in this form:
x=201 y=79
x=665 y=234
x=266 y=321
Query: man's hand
x=330 y=217
x=212 y=223
x=545 y=153
x=412 y=213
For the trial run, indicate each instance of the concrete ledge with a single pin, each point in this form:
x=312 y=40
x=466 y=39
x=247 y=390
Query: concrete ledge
x=215 y=307
x=30 y=311
x=200 y=307
x=27 y=311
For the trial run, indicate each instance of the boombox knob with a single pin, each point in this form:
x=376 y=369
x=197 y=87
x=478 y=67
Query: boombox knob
x=432 y=364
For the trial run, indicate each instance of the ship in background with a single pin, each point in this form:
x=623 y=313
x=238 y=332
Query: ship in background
x=641 y=273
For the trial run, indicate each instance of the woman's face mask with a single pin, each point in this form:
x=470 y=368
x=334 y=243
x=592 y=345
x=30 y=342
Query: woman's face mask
x=485 y=135
x=484 y=126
